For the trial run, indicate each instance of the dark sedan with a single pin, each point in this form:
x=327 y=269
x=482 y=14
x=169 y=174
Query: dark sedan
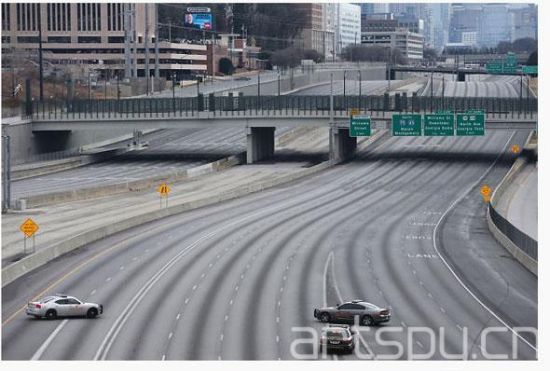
x=367 y=313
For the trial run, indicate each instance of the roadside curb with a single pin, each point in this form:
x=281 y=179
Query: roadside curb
x=521 y=256
x=41 y=257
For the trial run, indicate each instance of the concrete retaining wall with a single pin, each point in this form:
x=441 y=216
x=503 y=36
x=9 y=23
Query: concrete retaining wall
x=135 y=186
x=516 y=251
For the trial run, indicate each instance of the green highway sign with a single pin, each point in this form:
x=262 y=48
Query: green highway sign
x=468 y=124
x=439 y=125
x=407 y=125
x=359 y=127
x=530 y=70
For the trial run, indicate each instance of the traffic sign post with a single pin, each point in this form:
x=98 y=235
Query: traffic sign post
x=163 y=191
x=470 y=124
x=407 y=125
x=439 y=125
x=360 y=127
x=29 y=228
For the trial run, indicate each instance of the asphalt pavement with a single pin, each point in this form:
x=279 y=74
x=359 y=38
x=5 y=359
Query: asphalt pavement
x=240 y=280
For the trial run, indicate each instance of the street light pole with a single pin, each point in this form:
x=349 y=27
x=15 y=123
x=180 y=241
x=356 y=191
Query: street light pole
x=40 y=61
x=174 y=85
x=278 y=83
x=258 y=84
x=344 y=83
x=360 y=83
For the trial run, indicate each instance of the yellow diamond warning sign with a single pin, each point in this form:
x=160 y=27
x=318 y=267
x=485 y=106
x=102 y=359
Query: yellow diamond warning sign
x=29 y=227
x=486 y=193
x=163 y=189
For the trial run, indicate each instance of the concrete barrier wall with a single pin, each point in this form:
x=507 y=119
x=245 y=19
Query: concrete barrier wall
x=41 y=257
x=290 y=82
x=507 y=234
x=135 y=186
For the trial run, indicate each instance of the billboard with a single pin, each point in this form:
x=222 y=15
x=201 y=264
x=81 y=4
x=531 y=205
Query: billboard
x=201 y=21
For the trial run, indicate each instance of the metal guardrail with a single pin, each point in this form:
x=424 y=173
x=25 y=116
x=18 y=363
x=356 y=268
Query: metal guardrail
x=527 y=244
x=289 y=104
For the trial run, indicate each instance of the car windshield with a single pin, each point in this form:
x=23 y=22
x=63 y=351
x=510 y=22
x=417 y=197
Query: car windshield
x=47 y=299
x=370 y=306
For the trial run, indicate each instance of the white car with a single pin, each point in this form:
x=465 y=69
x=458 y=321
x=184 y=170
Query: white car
x=62 y=306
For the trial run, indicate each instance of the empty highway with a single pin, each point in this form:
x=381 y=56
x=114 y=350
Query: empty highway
x=401 y=226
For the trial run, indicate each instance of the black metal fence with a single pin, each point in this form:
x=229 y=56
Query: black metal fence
x=527 y=244
x=315 y=104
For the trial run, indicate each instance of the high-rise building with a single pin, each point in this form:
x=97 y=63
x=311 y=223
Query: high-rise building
x=495 y=25
x=440 y=25
x=524 y=22
x=388 y=31
x=465 y=18
x=318 y=32
x=348 y=25
x=92 y=36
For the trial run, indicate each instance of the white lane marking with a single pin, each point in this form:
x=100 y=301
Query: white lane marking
x=186 y=300
x=226 y=318
x=170 y=335
x=325 y=282
x=334 y=279
x=277 y=319
x=120 y=321
x=442 y=309
x=281 y=289
x=108 y=279
x=178 y=316
x=231 y=302
x=194 y=287
x=36 y=356
x=221 y=337
x=430 y=295
x=163 y=357
x=202 y=275
x=237 y=288
x=122 y=267
x=279 y=303
x=434 y=239
x=277 y=338
x=93 y=292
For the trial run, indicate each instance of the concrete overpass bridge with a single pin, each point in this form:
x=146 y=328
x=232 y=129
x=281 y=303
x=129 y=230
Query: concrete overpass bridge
x=460 y=72
x=258 y=116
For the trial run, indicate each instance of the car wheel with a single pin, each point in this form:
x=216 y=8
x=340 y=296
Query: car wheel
x=92 y=313
x=325 y=317
x=367 y=321
x=51 y=314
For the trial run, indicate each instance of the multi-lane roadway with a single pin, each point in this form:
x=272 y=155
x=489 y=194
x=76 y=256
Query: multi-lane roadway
x=401 y=226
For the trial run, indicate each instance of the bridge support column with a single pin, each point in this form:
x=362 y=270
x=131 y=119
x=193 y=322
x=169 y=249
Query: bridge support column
x=260 y=144
x=342 y=146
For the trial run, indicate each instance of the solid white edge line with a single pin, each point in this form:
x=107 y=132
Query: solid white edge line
x=36 y=356
x=434 y=241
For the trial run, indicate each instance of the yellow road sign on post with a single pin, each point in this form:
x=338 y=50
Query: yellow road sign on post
x=163 y=189
x=515 y=148
x=29 y=227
